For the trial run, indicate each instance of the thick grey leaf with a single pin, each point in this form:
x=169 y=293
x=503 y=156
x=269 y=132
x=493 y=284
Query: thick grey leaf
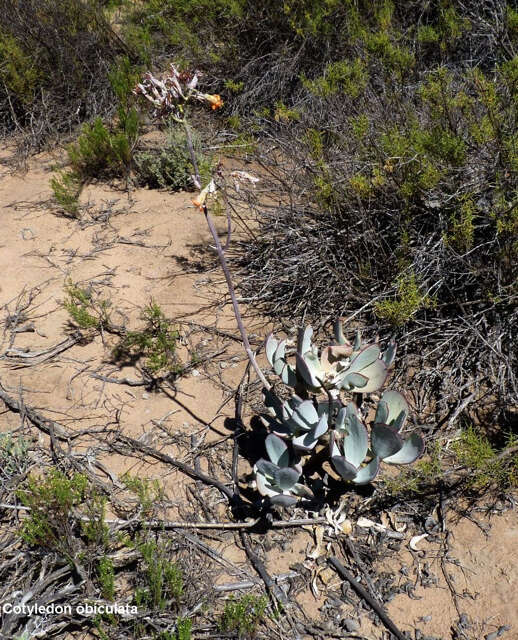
x=367 y=473
x=278 y=358
x=355 y=381
x=263 y=486
x=412 y=449
x=302 y=491
x=397 y=409
x=339 y=333
x=266 y=468
x=283 y=500
x=270 y=347
x=385 y=441
x=288 y=375
x=382 y=413
x=304 y=340
x=366 y=357
x=272 y=403
x=307 y=374
x=340 y=420
x=306 y=411
x=277 y=450
x=344 y=468
x=356 y=442
x=305 y=442
x=286 y=478
x=321 y=427
x=377 y=373
x=390 y=353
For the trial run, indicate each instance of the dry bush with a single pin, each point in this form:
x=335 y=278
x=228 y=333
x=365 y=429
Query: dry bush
x=54 y=64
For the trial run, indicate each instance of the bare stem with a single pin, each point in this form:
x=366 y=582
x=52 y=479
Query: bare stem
x=224 y=265
x=237 y=313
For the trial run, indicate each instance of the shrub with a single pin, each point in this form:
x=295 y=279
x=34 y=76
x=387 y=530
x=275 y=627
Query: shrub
x=100 y=151
x=155 y=343
x=106 y=576
x=242 y=615
x=171 y=167
x=163 y=578
x=53 y=500
x=66 y=187
x=86 y=310
x=54 y=58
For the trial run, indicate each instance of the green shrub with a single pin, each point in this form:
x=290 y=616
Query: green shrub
x=148 y=491
x=66 y=187
x=13 y=454
x=106 y=574
x=407 y=302
x=163 y=578
x=486 y=467
x=51 y=499
x=53 y=56
x=99 y=151
x=243 y=615
x=86 y=310
x=171 y=166
x=155 y=343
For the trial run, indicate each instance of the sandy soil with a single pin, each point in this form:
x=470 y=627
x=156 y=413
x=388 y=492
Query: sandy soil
x=132 y=250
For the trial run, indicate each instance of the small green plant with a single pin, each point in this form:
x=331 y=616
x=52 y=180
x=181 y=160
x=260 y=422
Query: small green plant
x=425 y=473
x=51 y=499
x=408 y=301
x=155 y=343
x=183 y=631
x=66 y=187
x=13 y=454
x=163 y=578
x=106 y=574
x=85 y=309
x=243 y=615
x=171 y=167
x=487 y=467
x=148 y=491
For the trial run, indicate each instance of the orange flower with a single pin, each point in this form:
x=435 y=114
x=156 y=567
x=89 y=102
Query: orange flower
x=202 y=196
x=215 y=100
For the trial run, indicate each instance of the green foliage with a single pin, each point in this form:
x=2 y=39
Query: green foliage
x=148 y=491
x=155 y=343
x=408 y=301
x=487 y=468
x=98 y=151
x=163 y=578
x=463 y=225
x=13 y=454
x=243 y=615
x=183 y=628
x=425 y=473
x=344 y=76
x=51 y=499
x=106 y=575
x=18 y=70
x=86 y=310
x=171 y=166
x=66 y=187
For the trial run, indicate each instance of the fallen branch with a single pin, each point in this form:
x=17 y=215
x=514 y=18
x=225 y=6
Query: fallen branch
x=343 y=573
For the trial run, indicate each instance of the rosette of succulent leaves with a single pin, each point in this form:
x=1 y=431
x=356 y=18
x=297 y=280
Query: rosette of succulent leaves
x=315 y=418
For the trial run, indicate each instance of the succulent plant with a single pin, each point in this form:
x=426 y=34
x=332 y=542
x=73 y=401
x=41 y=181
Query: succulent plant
x=302 y=422
x=353 y=367
x=386 y=441
x=276 y=478
x=297 y=419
